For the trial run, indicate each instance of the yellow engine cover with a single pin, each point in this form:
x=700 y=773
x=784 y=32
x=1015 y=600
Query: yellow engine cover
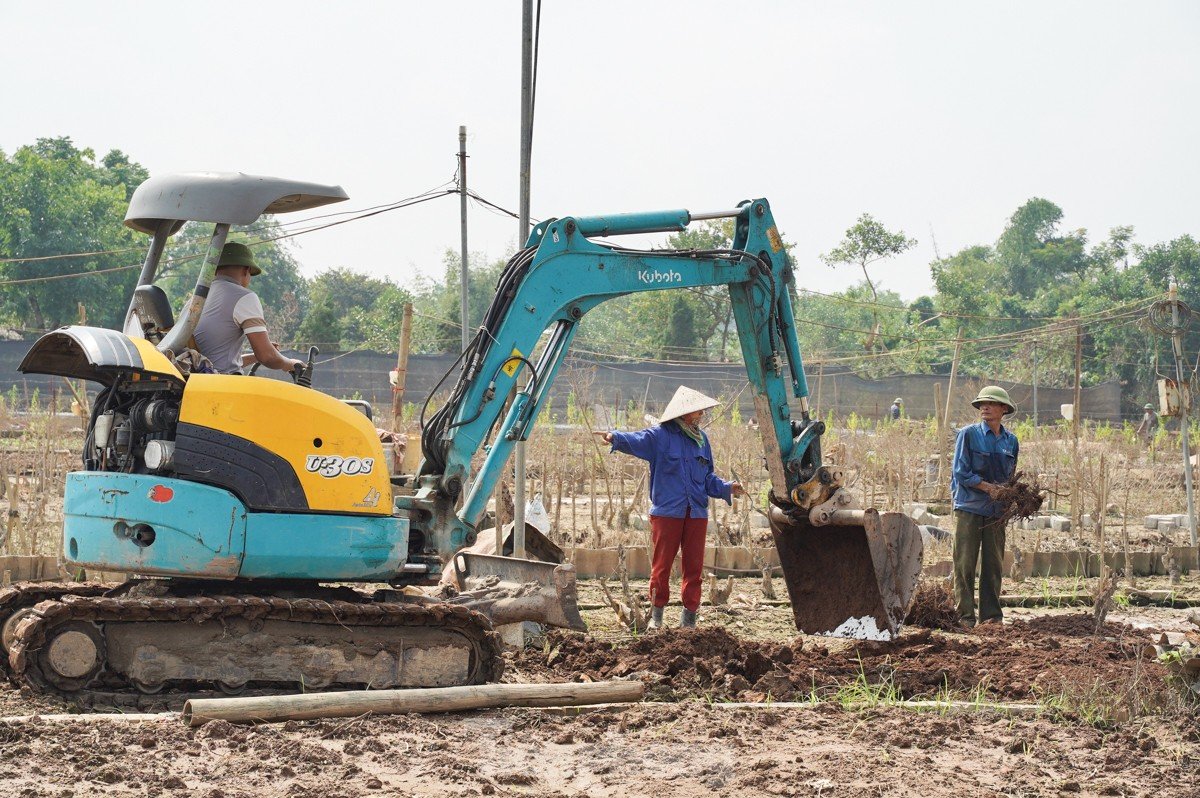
x=333 y=448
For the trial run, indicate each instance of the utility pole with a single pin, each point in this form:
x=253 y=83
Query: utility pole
x=462 y=214
x=1076 y=414
x=522 y=235
x=1185 y=401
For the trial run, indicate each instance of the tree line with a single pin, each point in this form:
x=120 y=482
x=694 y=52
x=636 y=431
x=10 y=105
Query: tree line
x=1015 y=308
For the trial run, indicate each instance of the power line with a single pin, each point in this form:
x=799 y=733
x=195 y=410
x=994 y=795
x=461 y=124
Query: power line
x=67 y=276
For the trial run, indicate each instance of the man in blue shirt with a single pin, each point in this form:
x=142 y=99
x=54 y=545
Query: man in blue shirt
x=681 y=482
x=985 y=457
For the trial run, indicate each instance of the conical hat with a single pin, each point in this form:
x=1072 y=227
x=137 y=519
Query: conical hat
x=686 y=401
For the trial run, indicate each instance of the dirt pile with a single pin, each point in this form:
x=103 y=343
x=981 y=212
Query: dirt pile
x=1024 y=661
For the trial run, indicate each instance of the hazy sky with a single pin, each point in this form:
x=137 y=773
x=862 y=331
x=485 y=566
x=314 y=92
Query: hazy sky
x=939 y=118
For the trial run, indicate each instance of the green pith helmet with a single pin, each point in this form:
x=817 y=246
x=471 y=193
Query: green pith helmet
x=1147 y=406
x=235 y=254
x=994 y=393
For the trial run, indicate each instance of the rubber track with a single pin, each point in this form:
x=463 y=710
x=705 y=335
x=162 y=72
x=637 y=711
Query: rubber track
x=27 y=594
x=33 y=631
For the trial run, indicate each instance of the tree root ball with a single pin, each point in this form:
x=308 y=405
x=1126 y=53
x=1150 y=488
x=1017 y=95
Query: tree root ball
x=933 y=608
x=1020 y=498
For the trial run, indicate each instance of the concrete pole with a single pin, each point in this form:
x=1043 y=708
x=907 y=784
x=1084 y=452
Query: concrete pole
x=522 y=234
x=462 y=212
x=1185 y=400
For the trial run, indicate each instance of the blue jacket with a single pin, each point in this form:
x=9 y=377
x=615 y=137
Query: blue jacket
x=982 y=456
x=681 y=473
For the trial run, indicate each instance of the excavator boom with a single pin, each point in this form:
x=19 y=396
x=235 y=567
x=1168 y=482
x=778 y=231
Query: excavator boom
x=563 y=273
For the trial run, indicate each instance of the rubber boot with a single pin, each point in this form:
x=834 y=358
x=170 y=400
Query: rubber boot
x=688 y=619
x=656 y=619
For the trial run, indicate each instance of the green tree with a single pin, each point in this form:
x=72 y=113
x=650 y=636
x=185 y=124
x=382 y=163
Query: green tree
x=339 y=300
x=1033 y=253
x=868 y=242
x=438 y=328
x=55 y=200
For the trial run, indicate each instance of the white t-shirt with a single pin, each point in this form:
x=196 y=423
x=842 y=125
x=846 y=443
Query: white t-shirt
x=230 y=313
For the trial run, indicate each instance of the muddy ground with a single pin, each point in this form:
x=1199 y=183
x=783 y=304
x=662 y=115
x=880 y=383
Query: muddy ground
x=1111 y=722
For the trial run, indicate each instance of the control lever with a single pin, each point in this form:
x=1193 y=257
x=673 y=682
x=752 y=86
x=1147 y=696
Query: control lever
x=303 y=374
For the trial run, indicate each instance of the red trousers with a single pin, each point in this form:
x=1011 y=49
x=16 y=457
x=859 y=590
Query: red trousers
x=668 y=535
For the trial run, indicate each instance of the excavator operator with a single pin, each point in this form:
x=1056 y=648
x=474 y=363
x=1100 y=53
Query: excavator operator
x=234 y=314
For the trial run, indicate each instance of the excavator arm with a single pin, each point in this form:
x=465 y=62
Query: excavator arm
x=548 y=288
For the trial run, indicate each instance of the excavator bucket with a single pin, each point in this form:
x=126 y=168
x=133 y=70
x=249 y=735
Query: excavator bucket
x=854 y=576
x=510 y=590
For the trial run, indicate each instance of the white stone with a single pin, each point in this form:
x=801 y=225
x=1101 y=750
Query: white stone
x=863 y=628
x=518 y=635
x=918 y=512
x=1060 y=523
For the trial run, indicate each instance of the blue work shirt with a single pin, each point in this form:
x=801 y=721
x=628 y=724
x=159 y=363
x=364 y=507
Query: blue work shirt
x=981 y=455
x=681 y=473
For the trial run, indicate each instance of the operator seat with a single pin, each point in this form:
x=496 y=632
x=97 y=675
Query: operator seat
x=153 y=311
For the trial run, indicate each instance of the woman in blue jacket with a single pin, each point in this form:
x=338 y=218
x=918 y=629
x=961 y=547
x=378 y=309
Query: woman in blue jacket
x=681 y=483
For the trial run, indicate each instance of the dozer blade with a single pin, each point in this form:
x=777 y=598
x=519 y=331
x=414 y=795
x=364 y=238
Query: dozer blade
x=853 y=577
x=510 y=590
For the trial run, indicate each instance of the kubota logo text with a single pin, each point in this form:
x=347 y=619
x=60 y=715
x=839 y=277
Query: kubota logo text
x=651 y=277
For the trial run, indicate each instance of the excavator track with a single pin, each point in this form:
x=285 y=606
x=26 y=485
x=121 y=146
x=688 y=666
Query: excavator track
x=18 y=600
x=75 y=645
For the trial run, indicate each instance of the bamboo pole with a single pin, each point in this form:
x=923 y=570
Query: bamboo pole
x=272 y=709
x=943 y=450
x=953 y=374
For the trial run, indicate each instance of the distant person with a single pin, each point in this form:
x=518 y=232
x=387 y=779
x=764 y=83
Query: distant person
x=681 y=482
x=1148 y=428
x=985 y=457
x=233 y=315
x=894 y=410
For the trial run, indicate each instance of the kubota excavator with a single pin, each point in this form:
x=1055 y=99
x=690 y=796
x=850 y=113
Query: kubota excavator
x=246 y=506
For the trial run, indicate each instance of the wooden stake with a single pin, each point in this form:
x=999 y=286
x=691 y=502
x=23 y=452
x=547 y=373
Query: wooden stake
x=272 y=709
x=402 y=365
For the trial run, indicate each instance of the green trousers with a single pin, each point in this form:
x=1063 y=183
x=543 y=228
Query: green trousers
x=971 y=533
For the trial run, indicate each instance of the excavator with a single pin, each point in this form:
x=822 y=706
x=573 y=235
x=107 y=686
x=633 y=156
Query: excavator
x=265 y=542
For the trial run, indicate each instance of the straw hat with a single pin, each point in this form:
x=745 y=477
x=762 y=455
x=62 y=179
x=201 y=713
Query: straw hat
x=899 y=400
x=686 y=401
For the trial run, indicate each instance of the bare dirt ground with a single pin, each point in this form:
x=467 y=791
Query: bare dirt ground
x=680 y=750
x=1111 y=722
